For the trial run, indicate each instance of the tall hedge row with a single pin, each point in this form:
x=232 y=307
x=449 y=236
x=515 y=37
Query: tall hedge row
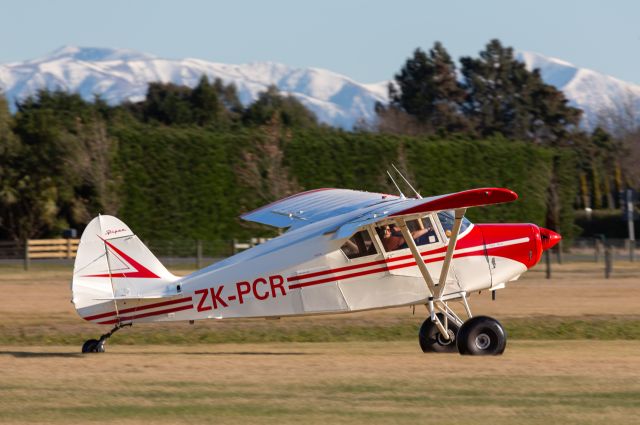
x=184 y=183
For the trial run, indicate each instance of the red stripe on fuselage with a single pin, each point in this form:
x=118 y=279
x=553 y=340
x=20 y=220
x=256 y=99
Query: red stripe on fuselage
x=473 y=238
x=377 y=270
x=139 y=308
x=140 y=316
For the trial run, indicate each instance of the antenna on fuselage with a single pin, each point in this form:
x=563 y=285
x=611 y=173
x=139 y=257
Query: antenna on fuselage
x=396 y=185
x=406 y=181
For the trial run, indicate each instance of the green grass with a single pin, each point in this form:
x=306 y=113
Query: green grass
x=336 y=329
x=498 y=400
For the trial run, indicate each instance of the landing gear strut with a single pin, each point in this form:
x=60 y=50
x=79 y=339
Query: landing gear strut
x=97 y=345
x=432 y=341
x=477 y=336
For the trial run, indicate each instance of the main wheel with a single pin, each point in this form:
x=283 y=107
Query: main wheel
x=481 y=336
x=90 y=346
x=432 y=341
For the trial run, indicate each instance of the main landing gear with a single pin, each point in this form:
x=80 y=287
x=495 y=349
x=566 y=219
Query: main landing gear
x=478 y=336
x=481 y=336
x=431 y=339
x=97 y=345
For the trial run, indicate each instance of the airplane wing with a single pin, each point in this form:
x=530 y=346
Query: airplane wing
x=309 y=207
x=314 y=205
x=451 y=201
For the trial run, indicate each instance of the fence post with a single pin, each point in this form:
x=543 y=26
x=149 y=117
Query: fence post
x=198 y=254
x=608 y=261
x=26 y=254
x=547 y=260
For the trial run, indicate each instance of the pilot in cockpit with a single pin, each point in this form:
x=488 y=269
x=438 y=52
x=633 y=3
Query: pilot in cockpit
x=392 y=238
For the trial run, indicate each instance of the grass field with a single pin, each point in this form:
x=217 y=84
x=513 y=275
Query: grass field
x=573 y=357
x=535 y=382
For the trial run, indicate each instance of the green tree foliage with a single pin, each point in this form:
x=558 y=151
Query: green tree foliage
x=178 y=183
x=168 y=104
x=64 y=159
x=503 y=97
x=271 y=105
x=207 y=104
x=61 y=166
x=10 y=195
x=426 y=88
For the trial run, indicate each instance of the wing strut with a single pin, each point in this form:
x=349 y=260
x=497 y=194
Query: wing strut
x=402 y=224
x=446 y=265
x=431 y=286
x=434 y=289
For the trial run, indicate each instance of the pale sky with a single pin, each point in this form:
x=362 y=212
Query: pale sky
x=365 y=40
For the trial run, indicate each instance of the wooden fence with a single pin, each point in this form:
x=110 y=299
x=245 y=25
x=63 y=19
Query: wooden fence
x=49 y=248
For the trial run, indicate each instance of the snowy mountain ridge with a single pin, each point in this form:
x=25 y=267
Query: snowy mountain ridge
x=122 y=74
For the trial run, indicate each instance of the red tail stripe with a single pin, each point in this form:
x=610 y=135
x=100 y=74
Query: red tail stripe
x=140 y=316
x=142 y=307
x=141 y=271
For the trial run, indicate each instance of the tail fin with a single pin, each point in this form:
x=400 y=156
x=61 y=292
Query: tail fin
x=113 y=264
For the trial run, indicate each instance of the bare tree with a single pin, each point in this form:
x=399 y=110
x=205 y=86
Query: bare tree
x=622 y=121
x=91 y=161
x=263 y=167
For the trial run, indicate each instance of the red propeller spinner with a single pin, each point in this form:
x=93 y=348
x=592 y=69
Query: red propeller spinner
x=549 y=238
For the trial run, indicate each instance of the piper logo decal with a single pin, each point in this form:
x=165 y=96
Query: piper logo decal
x=110 y=232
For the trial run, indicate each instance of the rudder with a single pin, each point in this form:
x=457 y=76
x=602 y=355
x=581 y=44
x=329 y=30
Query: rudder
x=113 y=264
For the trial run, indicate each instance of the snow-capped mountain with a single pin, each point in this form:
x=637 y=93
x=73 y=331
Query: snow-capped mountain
x=599 y=96
x=117 y=74
x=120 y=74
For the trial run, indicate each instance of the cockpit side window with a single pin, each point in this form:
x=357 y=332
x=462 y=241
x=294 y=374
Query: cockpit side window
x=447 y=219
x=359 y=245
x=422 y=231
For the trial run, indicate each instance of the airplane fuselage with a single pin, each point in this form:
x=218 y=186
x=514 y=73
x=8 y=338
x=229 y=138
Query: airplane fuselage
x=312 y=275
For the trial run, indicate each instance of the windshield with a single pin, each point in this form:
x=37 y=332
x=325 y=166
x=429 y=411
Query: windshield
x=447 y=219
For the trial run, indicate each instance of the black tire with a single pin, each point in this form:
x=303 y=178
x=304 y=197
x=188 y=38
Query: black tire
x=481 y=336
x=431 y=340
x=90 y=346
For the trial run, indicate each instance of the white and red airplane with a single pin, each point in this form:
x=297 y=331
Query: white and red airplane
x=344 y=251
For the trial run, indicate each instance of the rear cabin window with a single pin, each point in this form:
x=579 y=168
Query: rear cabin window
x=359 y=245
x=422 y=231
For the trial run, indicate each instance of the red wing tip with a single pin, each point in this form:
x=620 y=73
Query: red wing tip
x=508 y=194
